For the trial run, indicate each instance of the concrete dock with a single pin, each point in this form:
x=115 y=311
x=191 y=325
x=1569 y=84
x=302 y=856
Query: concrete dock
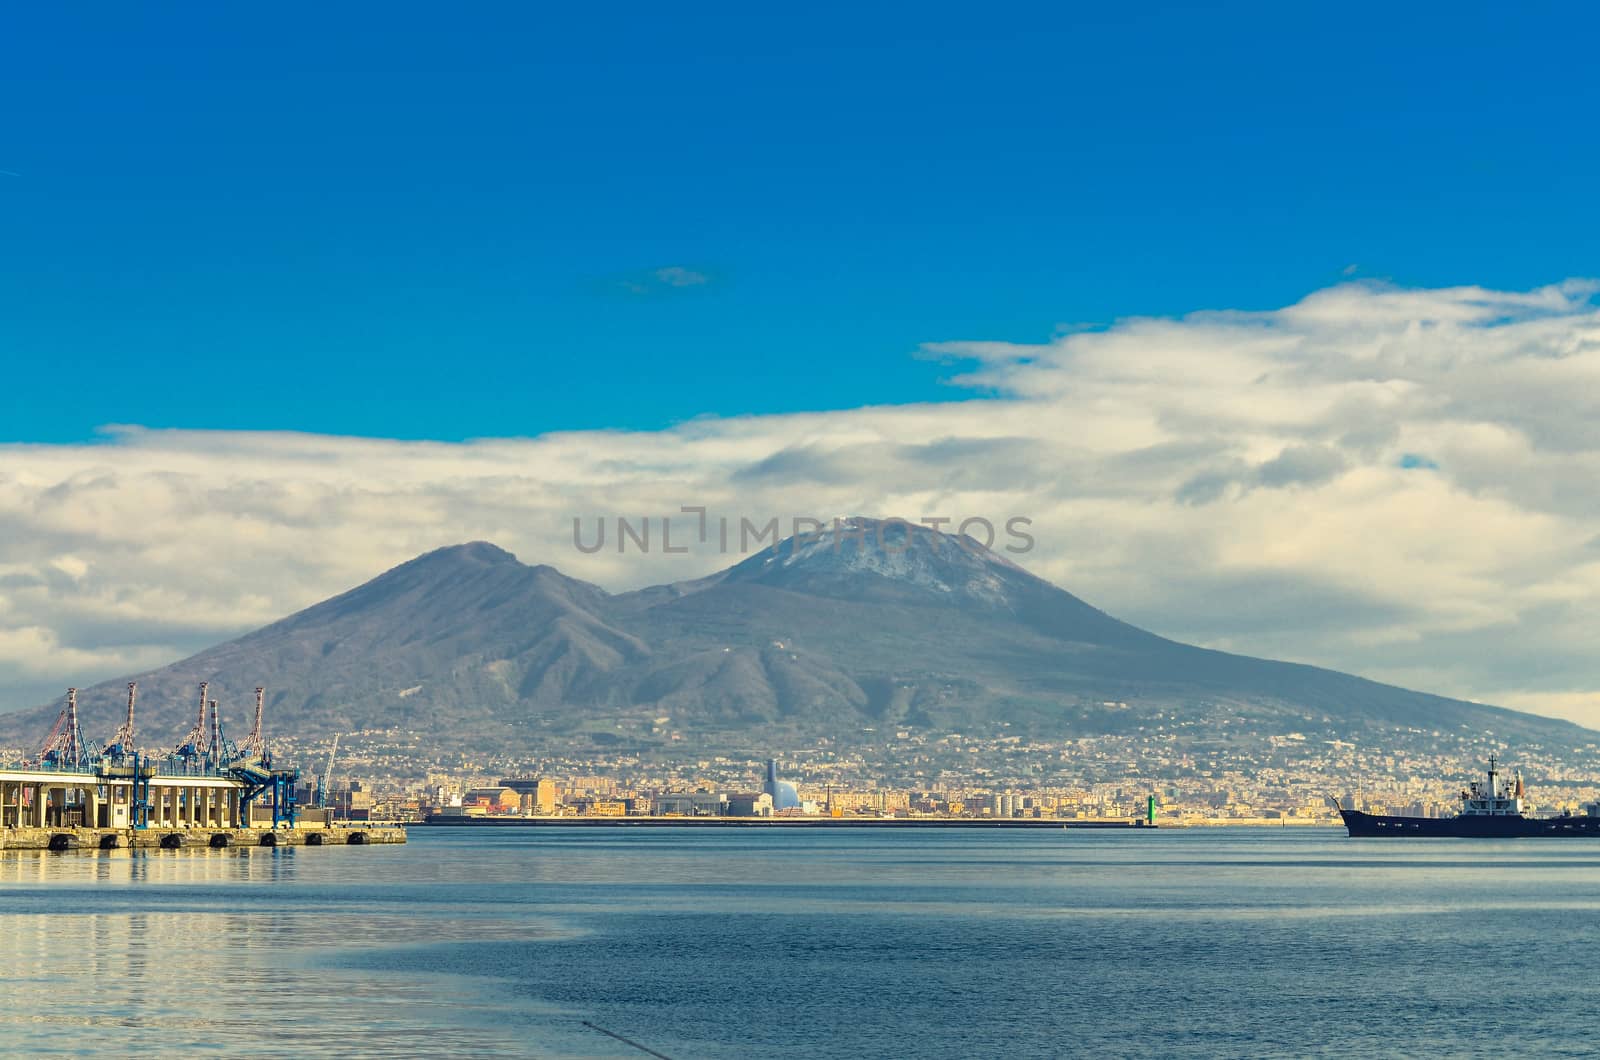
x=340 y=834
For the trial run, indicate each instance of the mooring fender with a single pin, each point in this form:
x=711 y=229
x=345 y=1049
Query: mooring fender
x=269 y=839
x=357 y=839
x=313 y=839
x=171 y=841
x=219 y=840
x=61 y=841
x=109 y=842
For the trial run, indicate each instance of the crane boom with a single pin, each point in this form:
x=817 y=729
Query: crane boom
x=324 y=784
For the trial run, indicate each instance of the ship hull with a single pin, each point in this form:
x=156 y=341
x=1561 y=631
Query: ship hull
x=1467 y=827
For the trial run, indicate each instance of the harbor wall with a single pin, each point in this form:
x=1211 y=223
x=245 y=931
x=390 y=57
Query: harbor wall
x=363 y=834
x=903 y=823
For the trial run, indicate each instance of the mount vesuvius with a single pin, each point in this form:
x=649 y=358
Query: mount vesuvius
x=822 y=636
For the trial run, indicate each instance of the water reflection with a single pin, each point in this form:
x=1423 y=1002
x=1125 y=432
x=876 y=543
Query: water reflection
x=211 y=952
x=889 y=945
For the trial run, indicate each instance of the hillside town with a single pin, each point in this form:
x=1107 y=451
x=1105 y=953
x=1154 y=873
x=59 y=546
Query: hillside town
x=1288 y=779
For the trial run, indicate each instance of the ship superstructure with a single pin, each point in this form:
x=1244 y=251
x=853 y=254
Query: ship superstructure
x=1496 y=798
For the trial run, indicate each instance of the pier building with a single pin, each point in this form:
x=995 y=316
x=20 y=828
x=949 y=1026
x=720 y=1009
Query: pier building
x=118 y=798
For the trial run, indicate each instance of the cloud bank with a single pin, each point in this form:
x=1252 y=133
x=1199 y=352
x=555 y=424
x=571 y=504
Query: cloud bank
x=1398 y=483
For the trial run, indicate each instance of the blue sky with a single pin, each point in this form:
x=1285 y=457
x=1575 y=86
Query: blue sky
x=758 y=240
x=384 y=220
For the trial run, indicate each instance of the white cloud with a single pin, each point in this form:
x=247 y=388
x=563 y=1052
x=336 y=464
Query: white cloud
x=665 y=279
x=1394 y=482
x=678 y=276
x=33 y=652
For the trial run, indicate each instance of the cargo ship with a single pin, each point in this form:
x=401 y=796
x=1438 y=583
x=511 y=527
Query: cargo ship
x=1492 y=810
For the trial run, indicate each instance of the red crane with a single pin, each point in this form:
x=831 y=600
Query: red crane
x=194 y=744
x=64 y=747
x=255 y=745
x=121 y=742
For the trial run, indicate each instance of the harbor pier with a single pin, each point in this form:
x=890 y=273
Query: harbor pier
x=112 y=798
x=161 y=805
x=207 y=792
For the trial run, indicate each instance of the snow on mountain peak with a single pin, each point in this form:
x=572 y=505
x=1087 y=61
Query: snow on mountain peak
x=898 y=550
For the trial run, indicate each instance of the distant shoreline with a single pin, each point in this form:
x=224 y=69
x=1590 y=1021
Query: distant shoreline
x=461 y=821
x=455 y=821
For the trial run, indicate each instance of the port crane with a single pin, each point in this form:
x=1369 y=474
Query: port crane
x=192 y=748
x=120 y=746
x=205 y=750
x=254 y=745
x=64 y=747
x=324 y=782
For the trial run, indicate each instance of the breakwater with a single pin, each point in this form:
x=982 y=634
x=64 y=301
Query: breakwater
x=461 y=820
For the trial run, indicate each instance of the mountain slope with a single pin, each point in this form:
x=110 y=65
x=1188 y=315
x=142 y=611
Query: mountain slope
x=450 y=641
x=826 y=635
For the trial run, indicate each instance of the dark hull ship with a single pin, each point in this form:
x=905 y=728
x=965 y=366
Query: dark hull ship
x=1488 y=811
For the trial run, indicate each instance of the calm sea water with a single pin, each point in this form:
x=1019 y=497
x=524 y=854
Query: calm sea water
x=708 y=943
